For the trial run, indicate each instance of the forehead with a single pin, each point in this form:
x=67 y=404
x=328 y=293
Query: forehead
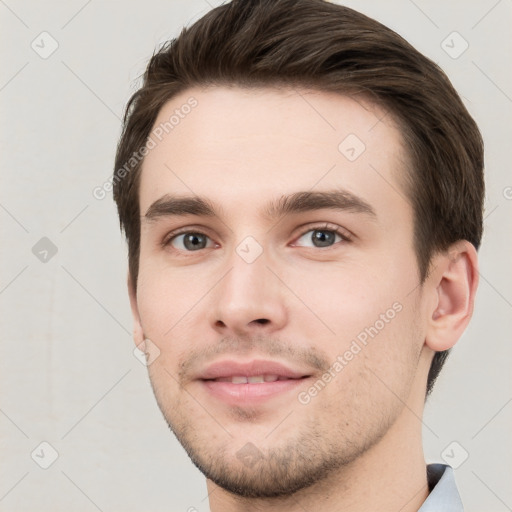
x=237 y=146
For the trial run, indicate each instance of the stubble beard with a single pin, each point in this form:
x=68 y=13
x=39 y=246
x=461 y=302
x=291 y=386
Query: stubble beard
x=319 y=450
x=280 y=468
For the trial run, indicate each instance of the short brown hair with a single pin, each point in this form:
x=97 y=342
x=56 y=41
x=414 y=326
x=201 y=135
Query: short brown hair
x=320 y=45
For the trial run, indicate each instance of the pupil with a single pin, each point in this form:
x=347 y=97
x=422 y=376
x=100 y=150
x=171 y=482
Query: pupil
x=194 y=241
x=323 y=238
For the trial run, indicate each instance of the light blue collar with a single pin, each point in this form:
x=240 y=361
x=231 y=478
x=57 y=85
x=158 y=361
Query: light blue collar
x=444 y=496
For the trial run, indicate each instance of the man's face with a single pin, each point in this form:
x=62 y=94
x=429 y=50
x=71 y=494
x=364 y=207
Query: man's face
x=319 y=290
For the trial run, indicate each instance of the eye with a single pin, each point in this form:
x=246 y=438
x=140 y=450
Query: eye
x=190 y=241
x=320 y=237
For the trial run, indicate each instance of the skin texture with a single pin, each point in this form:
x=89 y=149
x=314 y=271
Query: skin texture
x=356 y=444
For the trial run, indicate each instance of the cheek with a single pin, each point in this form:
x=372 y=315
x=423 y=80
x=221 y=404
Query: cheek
x=167 y=298
x=172 y=306
x=366 y=319
x=387 y=362
x=346 y=297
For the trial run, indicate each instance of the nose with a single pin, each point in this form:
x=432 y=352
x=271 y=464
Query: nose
x=248 y=300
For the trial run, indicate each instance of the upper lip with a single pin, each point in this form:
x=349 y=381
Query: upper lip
x=231 y=368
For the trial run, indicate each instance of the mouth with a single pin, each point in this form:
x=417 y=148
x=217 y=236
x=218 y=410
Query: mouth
x=251 y=382
x=253 y=379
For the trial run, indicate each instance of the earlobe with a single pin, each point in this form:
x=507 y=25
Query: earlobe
x=138 y=332
x=454 y=283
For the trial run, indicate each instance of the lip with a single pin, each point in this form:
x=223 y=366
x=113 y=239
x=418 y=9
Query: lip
x=230 y=368
x=250 y=393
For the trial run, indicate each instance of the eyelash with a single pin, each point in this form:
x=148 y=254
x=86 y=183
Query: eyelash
x=171 y=236
x=343 y=233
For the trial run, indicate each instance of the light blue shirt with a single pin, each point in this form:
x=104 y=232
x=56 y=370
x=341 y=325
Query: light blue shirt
x=444 y=496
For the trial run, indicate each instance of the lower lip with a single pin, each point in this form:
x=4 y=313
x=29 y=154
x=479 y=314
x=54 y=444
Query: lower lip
x=240 y=394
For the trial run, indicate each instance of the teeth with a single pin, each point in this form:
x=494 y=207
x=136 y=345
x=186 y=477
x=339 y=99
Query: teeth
x=255 y=379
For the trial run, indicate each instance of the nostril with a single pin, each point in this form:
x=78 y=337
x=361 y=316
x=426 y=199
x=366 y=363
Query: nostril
x=263 y=321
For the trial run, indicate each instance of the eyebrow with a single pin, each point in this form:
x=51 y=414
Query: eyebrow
x=298 y=202
x=341 y=200
x=168 y=206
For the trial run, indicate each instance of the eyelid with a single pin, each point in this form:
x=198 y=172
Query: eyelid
x=345 y=234
x=166 y=241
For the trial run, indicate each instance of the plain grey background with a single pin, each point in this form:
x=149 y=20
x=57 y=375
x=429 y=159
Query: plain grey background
x=69 y=376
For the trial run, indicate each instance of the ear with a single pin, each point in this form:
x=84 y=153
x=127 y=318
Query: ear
x=138 y=332
x=453 y=283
